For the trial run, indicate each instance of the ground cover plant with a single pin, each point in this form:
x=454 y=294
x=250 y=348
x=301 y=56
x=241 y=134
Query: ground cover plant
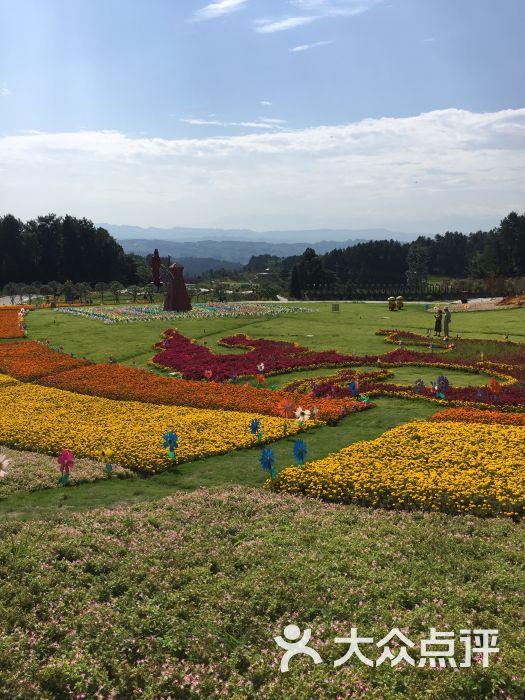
x=32 y=471
x=182 y=598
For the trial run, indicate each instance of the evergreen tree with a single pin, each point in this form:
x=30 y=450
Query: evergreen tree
x=295 y=283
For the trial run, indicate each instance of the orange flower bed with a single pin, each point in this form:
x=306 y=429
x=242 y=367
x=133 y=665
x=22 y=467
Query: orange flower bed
x=10 y=324
x=472 y=415
x=31 y=360
x=114 y=381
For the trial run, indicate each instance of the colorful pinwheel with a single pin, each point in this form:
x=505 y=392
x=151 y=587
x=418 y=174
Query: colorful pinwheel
x=302 y=415
x=267 y=460
x=171 y=442
x=106 y=455
x=255 y=428
x=419 y=384
x=299 y=450
x=286 y=408
x=66 y=462
x=353 y=388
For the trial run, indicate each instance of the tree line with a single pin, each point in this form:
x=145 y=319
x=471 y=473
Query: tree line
x=484 y=254
x=52 y=247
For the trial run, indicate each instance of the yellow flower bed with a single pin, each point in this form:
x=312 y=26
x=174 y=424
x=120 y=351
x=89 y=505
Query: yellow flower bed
x=6 y=380
x=448 y=466
x=49 y=420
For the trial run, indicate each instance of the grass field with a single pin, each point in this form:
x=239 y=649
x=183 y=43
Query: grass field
x=174 y=586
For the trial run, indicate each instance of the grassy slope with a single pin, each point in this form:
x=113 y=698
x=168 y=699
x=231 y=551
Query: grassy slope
x=182 y=598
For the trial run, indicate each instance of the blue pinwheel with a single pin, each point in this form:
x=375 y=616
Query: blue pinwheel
x=299 y=450
x=266 y=460
x=255 y=428
x=352 y=388
x=171 y=442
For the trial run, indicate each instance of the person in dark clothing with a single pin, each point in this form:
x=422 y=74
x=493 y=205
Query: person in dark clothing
x=446 y=322
x=437 y=325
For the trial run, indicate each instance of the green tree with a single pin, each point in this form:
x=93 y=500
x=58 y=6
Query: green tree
x=295 y=283
x=116 y=289
x=101 y=288
x=417 y=262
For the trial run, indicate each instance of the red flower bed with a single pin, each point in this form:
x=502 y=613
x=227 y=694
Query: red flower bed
x=193 y=360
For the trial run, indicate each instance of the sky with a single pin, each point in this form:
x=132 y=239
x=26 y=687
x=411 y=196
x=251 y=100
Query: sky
x=264 y=114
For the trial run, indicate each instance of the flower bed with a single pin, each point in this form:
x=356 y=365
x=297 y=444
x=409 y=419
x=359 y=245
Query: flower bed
x=471 y=415
x=193 y=361
x=30 y=360
x=10 y=323
x=155 y=312
x=446 y=466
x=5 y=379
x=49 y=420
x=114 y=381
x=31 y=471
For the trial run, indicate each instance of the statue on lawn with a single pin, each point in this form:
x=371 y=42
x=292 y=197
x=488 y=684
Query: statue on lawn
x=177 y=297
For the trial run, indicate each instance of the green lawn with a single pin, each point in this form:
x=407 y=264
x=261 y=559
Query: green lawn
x=352 y=330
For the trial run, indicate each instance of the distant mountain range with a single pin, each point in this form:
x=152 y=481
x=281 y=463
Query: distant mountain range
x=239 y=245
x=178 y=233
x=199 y=266
x=224 y=251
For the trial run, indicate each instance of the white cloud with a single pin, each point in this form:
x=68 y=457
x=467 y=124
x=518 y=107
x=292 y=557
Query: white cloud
x=5 y=92
x=272 y=121
x=269 y=26
x=314 y=10
x=218 y=9
x=335 y=8
x=261 y=124
x=265 y=103
x=444 y=169
x=307 y=47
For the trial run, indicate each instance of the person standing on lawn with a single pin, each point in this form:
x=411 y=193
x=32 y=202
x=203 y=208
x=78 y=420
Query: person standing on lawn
x=437 y=325
x=446 y=322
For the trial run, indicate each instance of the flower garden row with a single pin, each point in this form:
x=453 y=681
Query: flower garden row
x=48 y=420
x=155 y=312
x=35 y=361
x=195 y=361
x=11 y=322
x=450 y=466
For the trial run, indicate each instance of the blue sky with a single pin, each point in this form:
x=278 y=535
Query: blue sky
x=407 y=114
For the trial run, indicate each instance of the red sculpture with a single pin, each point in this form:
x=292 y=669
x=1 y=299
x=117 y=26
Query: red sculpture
x=155 y=267
x=177 y=298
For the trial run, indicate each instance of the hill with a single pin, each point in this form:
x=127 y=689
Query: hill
x=233 y=251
